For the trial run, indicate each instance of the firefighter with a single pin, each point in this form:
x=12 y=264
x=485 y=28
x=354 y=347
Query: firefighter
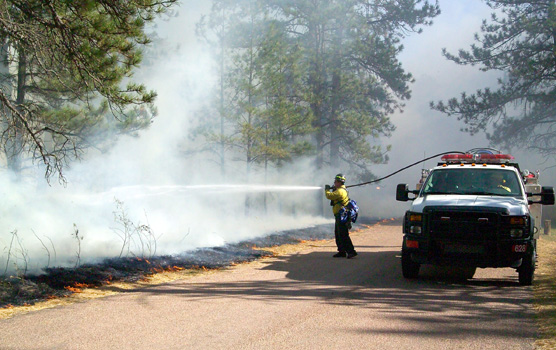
x=339 y=198
x=496 y=180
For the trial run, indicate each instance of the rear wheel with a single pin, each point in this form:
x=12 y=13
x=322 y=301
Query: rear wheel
x=410 y=269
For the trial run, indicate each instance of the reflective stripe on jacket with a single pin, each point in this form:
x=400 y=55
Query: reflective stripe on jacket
x=339 y=197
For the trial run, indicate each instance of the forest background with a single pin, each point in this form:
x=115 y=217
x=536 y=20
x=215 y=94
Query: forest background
x=249 y=92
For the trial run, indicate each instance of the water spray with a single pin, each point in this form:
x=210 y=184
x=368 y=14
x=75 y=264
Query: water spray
x=138 y=191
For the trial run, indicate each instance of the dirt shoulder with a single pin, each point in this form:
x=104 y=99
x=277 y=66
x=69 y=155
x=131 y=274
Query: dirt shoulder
x=545 y=292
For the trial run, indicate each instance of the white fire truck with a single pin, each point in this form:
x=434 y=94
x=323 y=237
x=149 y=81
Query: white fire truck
x=475 y=209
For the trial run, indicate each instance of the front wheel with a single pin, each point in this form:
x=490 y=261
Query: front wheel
x=527 y=270
x=410 y=269
x=468 y=272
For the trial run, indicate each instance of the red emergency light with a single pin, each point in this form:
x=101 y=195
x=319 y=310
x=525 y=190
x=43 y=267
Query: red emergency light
x=477 y=158
x=456 y=157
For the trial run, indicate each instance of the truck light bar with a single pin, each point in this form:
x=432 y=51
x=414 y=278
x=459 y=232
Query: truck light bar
x=456 y=157
x=469 y=158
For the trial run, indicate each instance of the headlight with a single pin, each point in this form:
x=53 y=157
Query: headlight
x=518 y=226
x=415 y=229
x=415 y=223
x=516 y=232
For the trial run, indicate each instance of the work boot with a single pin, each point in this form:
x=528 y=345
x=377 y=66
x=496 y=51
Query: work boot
x=352 y=255
x=339 y=255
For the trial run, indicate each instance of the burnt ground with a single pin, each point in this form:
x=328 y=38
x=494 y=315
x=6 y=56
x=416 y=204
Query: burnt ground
x=63 y=281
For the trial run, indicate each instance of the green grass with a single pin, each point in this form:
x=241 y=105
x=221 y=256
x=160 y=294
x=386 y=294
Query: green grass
x=544 y=291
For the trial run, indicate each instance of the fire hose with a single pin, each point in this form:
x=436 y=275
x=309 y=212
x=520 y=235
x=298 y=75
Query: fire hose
x=404 y=168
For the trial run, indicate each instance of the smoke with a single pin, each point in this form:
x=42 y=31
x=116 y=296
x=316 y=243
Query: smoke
x=146 y=181
x=143 y=197
x=178 y=217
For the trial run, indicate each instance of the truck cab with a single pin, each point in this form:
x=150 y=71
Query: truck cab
x=472 y=210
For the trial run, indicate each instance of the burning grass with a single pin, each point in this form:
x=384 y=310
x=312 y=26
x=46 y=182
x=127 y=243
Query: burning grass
x=123 y=273
x=545 y=292
x=58 y=286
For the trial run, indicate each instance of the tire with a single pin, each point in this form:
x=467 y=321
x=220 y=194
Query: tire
x=527 y=270
x=468 y=272
x=410 y=269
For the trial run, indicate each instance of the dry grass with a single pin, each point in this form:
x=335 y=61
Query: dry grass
x=293 y=248
x=85 y=294
x=82 y=293
x=544 y=291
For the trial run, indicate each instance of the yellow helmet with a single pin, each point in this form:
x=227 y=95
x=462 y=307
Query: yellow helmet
x=340 y=177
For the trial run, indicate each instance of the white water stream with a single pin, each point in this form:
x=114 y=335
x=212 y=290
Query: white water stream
x=181 y=217
x=149 y=190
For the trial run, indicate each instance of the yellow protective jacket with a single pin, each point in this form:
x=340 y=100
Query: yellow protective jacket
x=339 y=197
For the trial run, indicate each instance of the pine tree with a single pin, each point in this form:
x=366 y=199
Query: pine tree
x=216 y=31
x=63 y=67
x=519 y=41
x=327 y=69
x=354 y=80
x=286 y=117
x=262 y=116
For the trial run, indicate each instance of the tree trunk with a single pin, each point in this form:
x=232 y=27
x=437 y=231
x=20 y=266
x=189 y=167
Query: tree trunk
x=222 y=117
x=14 y=145
x=335 y=99
x=249 y=138
x=316 y=81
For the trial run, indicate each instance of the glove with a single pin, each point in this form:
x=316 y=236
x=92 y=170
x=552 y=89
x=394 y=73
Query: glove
x=326 y=187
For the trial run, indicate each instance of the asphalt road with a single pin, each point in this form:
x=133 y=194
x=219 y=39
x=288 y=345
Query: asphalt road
x=305 y=300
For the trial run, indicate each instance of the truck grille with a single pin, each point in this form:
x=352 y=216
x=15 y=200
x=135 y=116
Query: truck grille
x=464 y=224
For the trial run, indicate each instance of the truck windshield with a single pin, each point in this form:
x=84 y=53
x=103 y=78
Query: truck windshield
x=494 y=182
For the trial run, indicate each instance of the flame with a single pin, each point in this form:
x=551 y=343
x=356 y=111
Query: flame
x=173 y=268
x=73 y=289
x=81 y=285
x=77 y=287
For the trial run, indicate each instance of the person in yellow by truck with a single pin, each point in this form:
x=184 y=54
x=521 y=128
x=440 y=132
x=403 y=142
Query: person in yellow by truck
x=339 y=198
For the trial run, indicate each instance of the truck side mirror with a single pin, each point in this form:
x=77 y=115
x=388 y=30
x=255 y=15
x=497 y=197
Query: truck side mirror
x=547 y=195
x=401 y=193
